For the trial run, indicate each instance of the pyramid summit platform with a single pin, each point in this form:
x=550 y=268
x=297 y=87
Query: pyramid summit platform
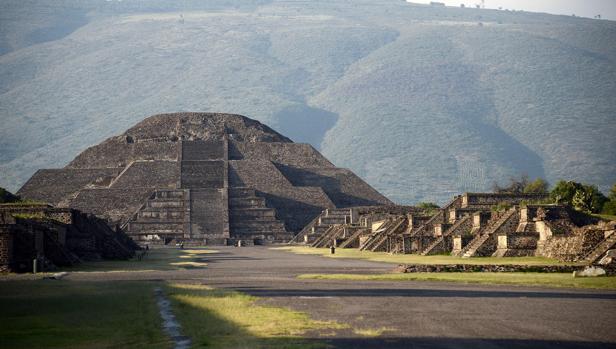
x=202 y=178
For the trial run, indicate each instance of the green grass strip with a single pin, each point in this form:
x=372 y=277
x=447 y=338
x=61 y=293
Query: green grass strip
x=519 y=279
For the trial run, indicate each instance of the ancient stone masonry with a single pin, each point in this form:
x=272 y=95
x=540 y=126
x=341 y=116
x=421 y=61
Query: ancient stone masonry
x=202 y=178
x=366 y=227
x=56 y=237
x=468 y=226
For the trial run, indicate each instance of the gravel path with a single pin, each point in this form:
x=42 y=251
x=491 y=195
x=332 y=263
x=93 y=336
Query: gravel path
x=412 y=314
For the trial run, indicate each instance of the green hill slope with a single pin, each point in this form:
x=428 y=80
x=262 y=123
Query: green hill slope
x=422 y=102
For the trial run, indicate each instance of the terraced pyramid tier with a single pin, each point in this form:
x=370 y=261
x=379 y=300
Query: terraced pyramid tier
x=202 y=178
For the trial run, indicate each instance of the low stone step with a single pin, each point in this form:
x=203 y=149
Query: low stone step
x=333 y=220
x=169 y=194
x=256 y=232
x=252 y=213
x=164 y=203
x=240 y=202
x=319 y=229
x=152 y=226
x=338 y=212
x=242 y=192
x=166 y=232
x=160 y=215
x=257 y=224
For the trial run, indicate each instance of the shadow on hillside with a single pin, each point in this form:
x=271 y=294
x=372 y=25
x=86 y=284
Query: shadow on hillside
x=304 y=124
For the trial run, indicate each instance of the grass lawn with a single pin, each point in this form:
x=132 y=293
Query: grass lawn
x=418 y=259
x=520 y=279
x=215 y=318
x=65 y=314
x=155 y=259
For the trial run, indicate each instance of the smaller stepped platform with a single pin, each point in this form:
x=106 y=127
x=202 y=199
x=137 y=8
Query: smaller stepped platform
x=251 y=221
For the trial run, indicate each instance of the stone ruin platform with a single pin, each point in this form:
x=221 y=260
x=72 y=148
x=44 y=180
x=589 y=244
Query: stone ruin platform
x=202 y=178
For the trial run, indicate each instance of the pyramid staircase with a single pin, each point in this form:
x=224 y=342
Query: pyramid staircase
x=353 y=239
x=439 y=217
x=442 y=239
x=329 y=237
x=600 y=250
x=378 y=239
x=314 y=230
x=250 y=220
x=473 y=247
x=164 y=215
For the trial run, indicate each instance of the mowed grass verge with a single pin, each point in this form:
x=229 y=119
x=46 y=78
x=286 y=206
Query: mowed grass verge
x=218 y=318
x=519 y=279
x=155 y=259
x=418 y=259
x=65 y=314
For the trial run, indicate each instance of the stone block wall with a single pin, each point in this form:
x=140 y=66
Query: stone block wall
x=148 y=174
x=6 y=248
x=485 y=200
x=517 y=244
x=296 y=206
x=116 y=152
x=56 y=186
x=571 y=247
x=342 y=186
x=292 y=154
x=114 y=205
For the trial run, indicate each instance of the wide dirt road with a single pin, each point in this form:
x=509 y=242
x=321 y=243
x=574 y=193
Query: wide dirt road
x=417 y=314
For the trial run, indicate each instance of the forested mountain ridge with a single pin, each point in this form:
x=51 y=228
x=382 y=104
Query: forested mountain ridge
x=422 y=102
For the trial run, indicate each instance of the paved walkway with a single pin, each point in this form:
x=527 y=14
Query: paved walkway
x=419 y=314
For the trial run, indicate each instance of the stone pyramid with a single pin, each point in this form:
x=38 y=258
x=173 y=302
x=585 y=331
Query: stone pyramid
x=202 y=178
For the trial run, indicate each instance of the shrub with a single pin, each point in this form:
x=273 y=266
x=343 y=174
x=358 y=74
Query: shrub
x=582 y=197
x=539 y=186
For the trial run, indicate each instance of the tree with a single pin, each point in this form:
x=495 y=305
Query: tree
x=516 y=185
x=582 y=197
x=610 y=206
x=612 y=193
x=427 y=205
x=563 y=192
x=539 y=186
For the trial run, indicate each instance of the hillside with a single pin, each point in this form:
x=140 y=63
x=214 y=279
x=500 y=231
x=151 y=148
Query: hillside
x=421 y=102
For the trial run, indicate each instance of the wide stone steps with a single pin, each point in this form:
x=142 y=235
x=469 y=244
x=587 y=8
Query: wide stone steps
x=477 y=243
x=165 y=204
x=378 y=243
x=202 y=174
x=249 y=217
x=333 y=220
x=242 y=193
x=474 y=245
x=246 y=202
x=327 y=239
x=601 y=249
x=202 y=150
x=157 y=215
x=169 y=194
x=253 y=213
x=320 y=229
x=441 y=239
x=152 y=226
x=433 y=245
x=352 y=239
